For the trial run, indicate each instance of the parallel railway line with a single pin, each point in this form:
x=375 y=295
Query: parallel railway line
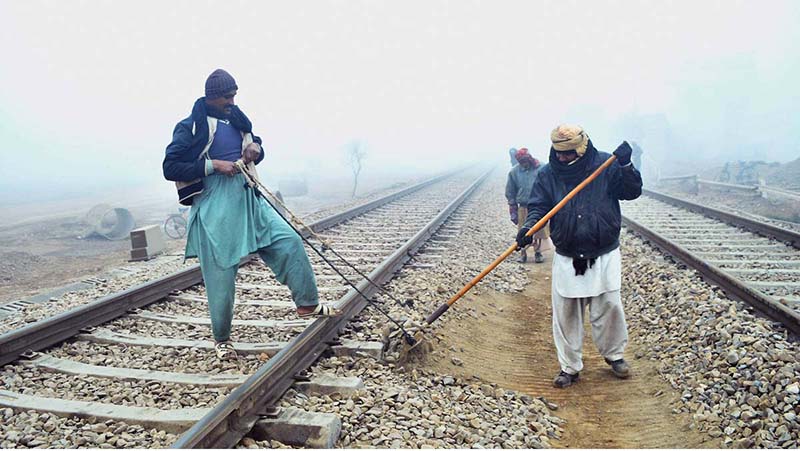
x=752 y=261
x=167 y=320
x=141 y=362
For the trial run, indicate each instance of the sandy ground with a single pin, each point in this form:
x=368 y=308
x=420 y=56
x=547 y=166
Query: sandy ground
x=45 y=254
x=511 y=344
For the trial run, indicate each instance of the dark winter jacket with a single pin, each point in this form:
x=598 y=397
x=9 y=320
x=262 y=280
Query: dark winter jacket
x=588 y=225
x=190 y=137
x=520 y=182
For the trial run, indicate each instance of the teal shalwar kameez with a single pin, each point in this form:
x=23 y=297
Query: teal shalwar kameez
x=228 y=222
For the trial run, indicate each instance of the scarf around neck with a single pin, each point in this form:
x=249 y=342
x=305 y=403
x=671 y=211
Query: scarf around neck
x=199 y=114
x=574 y=173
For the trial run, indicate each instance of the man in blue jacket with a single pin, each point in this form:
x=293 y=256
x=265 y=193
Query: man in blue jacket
x=518 y=189
x=587 y=262
x=229 y=221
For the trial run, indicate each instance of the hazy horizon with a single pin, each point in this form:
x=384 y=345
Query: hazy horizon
x=93 y=89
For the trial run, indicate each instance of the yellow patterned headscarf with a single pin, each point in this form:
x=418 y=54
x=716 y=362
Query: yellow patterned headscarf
x=569 y=137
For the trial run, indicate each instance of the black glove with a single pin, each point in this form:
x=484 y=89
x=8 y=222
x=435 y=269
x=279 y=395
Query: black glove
x=522 y=240
x=623 y=153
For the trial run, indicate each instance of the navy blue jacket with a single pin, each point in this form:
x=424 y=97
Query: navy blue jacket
x=181 y=162
x=588 y=225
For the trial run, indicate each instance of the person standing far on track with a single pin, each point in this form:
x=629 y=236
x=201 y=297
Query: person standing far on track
x=636 y=157
x=518 y=189
x=228 y=221
x=512 y=155
x=587 y=262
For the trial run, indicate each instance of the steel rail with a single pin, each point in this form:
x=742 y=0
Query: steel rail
x=768 y=230
x=731 y=285
x=779 y=192
x=57 y=328
x=231 y=419
x=331 y=221
x=756 y=190
x=750 y=189
x=674 y=178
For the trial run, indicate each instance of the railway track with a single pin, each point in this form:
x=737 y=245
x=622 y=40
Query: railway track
x=144 y=356
x=751 y=261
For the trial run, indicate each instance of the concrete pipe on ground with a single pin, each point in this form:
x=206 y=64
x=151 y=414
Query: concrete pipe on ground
x=109 y=222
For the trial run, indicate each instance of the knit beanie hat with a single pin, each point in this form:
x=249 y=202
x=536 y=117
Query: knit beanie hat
x=219 y=83
x=569 y=137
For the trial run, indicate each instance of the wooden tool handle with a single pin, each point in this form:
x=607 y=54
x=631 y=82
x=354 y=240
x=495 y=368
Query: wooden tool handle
x=541 y=223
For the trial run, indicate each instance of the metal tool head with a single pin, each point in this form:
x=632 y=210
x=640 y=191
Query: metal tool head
x=414 y=348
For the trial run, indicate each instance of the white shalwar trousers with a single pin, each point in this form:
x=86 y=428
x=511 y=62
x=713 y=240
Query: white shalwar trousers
x=599 y=289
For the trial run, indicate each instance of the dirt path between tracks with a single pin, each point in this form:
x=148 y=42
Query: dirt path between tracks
x=512 y=345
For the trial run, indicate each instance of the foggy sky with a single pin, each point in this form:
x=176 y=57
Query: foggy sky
x=91 y=90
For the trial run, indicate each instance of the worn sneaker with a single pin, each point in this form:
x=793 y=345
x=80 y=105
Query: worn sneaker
x=523 y=257
x=564 y=379
x=620 y=368
x=538 y=257
x=225 y=351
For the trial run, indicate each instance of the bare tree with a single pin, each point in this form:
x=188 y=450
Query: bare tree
x=356 y=153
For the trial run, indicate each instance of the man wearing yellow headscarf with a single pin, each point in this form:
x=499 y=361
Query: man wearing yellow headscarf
x=587 y=263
